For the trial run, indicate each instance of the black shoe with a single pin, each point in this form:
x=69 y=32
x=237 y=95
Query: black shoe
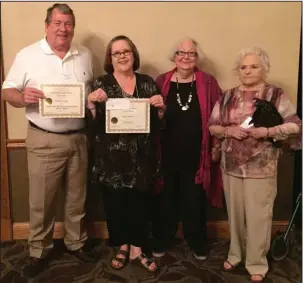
x=83 y=255
x=202 y=254
x=34 y=266
x=200 y=257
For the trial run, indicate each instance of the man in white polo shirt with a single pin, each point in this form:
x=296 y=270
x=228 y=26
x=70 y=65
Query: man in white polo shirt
x=56 y=147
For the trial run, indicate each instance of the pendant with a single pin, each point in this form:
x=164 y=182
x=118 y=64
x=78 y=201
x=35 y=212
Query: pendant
x=184 y=108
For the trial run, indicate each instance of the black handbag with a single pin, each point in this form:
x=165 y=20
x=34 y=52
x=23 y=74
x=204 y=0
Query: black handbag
x=266 y=115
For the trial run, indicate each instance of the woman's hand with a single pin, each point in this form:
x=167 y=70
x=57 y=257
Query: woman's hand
x=157 y=101
x=98 y=95
x=236 y=132
x=258 y=133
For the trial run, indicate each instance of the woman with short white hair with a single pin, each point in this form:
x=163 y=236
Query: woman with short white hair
x=189 y=95
x=249 y=157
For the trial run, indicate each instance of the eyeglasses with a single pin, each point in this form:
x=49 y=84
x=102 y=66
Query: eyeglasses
x=125 y=53
x=183 y=54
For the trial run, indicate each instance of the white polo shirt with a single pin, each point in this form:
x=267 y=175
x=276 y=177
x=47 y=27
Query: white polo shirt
x=37 y=64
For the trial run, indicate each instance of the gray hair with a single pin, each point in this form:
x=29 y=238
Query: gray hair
x=172 y=54
x=63 y=8
x=253 y=51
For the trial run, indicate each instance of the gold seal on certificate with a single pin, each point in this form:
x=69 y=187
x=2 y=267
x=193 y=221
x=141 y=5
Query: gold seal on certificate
x=62 y=101
x=125 y=115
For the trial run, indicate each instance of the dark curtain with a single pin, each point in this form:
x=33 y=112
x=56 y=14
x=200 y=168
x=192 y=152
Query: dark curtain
x=298 y=155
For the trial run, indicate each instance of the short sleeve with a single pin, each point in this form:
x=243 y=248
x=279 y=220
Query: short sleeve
x=152 y=86
x=285 y=107
x=98 y=83
x=215 y=115
x=16 y=77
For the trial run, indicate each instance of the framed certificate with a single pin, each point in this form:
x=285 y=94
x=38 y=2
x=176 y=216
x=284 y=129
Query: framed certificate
x=62 y=101
x=125 y=115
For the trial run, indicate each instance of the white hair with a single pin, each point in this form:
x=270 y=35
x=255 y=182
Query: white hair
x=173 y=50
x=255 y=51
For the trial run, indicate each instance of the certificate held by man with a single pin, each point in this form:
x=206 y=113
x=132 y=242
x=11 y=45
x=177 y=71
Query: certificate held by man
x=125 y=115
x=62 y=101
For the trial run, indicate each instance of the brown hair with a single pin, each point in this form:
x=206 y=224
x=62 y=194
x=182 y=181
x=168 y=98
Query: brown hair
x=63 y=8
x=108 y=66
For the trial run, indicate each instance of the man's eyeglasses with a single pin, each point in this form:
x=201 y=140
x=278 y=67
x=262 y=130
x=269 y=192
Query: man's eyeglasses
x=183 y=54
x=125 y=53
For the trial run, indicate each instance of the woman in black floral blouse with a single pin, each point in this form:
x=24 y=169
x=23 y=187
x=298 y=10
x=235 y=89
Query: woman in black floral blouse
x=125 y=165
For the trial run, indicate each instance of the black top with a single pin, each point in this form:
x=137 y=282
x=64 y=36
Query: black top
x=182 y=135
x=124 y=160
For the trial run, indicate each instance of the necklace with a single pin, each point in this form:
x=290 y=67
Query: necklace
x=126 y=95
x=190 y=96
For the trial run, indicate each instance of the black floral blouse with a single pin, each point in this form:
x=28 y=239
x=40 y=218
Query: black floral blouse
x=124 y=160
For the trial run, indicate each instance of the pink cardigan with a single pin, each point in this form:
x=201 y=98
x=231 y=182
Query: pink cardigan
x=208 y=90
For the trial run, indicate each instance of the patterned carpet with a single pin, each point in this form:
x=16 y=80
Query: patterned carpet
x=177 y=266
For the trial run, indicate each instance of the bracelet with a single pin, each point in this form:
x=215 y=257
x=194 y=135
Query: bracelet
x=267 y=133
x=278 y=130
x=92 y=108
x=162 y=111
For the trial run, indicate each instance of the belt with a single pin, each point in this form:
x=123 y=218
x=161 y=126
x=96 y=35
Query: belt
x=70 y=132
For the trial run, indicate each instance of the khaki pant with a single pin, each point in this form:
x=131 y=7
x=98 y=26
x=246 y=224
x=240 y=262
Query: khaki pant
x=56 y=162
x=250 y=209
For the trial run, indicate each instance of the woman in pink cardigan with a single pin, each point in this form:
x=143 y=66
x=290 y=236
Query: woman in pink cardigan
x=190 y=178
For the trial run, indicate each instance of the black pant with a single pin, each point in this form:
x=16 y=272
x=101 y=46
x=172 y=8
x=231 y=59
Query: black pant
x=181 y=199
x=126 y=212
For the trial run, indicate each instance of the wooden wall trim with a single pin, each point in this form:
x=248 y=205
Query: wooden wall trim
x=216 y=229
x=15 y=143
x=6 y=222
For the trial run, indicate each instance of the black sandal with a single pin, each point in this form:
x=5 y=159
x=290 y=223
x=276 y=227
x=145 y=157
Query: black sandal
x=123 y=260
x=138 y=262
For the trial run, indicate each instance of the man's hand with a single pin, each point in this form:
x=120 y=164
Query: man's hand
x=32 y=95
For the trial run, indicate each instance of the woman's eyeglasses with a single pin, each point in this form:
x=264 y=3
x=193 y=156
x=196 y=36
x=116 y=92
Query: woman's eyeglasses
x=125 y=53
x=189 y=54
